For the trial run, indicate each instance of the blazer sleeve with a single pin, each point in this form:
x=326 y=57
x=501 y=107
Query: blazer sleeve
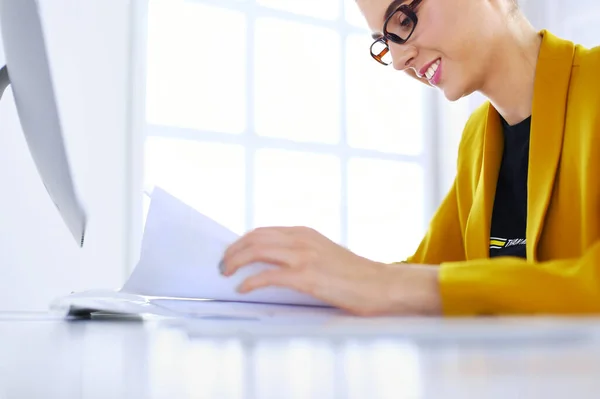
x=443 y=241
x=514 y=286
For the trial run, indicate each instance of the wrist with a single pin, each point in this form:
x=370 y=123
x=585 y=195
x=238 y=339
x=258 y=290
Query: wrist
x=412 y=289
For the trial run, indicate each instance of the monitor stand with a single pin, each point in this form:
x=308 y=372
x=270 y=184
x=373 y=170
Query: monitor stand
x=4 y=80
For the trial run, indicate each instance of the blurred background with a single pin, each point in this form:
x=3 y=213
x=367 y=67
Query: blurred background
x=254 y=112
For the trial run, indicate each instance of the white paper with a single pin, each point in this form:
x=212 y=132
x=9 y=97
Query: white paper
x=181 y=250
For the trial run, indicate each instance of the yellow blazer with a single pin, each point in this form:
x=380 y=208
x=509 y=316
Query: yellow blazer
x=561 y=274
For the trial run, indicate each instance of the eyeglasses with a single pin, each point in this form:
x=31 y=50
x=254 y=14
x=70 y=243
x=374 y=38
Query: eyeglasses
x=397 y=28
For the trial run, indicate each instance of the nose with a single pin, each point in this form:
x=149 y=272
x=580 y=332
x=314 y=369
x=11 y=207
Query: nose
x=403 y=56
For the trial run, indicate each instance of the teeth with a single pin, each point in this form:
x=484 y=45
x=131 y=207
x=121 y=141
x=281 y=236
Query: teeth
x=432 y=69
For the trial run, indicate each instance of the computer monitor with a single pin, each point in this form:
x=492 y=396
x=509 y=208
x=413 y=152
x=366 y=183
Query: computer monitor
x=28 y=72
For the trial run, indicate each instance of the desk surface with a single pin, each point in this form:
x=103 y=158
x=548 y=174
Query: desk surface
x=402 y=358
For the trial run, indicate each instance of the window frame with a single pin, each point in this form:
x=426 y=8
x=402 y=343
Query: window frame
x=252 y=142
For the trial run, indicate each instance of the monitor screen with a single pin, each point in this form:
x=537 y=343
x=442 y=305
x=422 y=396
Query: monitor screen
x=28 y=72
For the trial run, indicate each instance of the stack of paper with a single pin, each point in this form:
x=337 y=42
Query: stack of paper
x=181 y=250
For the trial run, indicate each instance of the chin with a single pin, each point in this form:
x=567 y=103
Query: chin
x=454 y=93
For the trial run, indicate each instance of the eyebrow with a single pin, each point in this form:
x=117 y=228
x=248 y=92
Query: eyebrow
x=391 y=8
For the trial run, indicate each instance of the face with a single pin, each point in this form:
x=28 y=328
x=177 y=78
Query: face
x=455 y=36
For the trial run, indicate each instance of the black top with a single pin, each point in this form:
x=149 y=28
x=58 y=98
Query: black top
x=509 y=217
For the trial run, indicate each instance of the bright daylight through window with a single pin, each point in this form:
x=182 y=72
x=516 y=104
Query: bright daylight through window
x=273 y=112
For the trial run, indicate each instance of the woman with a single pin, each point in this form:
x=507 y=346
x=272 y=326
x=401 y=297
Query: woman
x=519 y=231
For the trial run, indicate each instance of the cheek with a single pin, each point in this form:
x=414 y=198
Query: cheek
x=442 y=32
x=459 y=80
x=460 y=66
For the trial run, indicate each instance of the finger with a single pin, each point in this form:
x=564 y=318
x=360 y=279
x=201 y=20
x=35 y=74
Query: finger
x=274 y=278
x=264 y=235
x=276 y=255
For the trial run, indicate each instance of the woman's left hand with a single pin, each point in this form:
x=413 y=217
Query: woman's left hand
x=310 y=263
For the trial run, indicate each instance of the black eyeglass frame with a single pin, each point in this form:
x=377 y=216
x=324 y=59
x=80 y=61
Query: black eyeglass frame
x=408 y=10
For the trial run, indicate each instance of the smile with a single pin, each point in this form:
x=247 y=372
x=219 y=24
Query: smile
x=432 y=72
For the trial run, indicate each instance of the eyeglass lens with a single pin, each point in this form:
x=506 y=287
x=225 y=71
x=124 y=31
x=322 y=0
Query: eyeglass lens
x=400 y=25
x=381 y=52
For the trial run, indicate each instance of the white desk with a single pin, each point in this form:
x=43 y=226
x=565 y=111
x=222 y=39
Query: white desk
x=377 y=359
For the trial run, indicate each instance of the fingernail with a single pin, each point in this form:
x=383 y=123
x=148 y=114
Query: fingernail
x=222 y=267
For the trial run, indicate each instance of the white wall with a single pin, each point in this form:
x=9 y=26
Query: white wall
x=578 y=21
x=90 y=51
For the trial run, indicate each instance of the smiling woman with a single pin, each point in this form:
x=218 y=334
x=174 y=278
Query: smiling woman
x=519 y=230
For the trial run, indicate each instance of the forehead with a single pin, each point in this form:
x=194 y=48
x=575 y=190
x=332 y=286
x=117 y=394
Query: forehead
x=374 y=11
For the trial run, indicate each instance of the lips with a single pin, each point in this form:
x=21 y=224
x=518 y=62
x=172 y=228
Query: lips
x=432 y=72
x=424 y=69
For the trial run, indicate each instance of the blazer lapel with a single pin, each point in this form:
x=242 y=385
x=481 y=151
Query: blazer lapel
x=479 y=223
x=553 y=73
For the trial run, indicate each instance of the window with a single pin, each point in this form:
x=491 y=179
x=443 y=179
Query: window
x=272 y=112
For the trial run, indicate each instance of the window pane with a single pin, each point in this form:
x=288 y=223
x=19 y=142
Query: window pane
x=209 y=177
x=385 y=107
x=353 y=14
x=328 y=9
x=196 y=76
x=385 y=208
x=298 y=189
x=297 y=81
x=455 y=115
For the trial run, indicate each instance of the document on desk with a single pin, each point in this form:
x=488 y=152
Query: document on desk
x=181 y=250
